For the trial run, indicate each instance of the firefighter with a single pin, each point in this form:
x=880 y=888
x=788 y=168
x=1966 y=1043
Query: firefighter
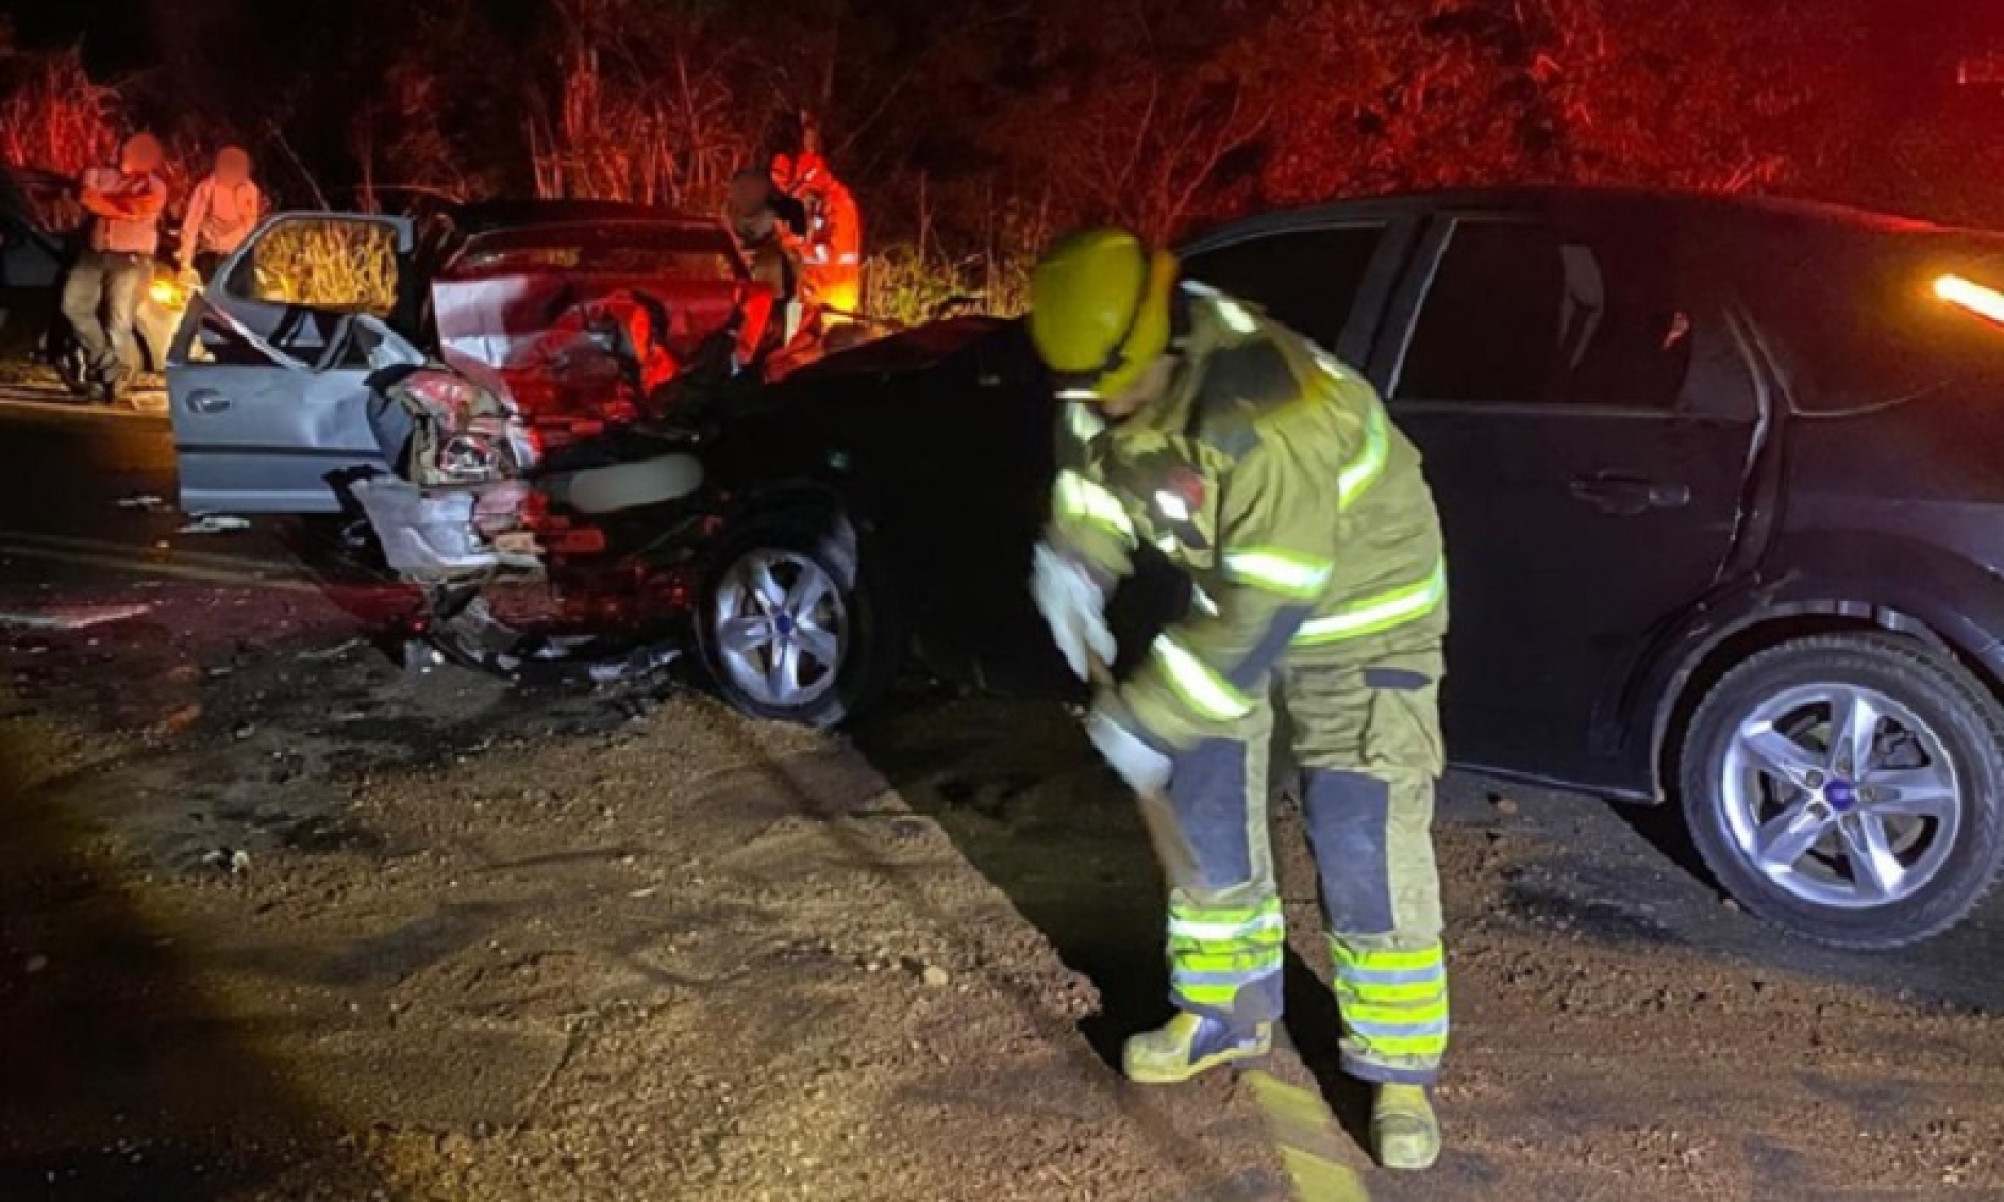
x=1193 y=424
x=831 y=251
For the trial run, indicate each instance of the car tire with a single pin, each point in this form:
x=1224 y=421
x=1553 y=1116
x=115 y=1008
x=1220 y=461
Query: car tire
x=788 y=589
x=1868 y=841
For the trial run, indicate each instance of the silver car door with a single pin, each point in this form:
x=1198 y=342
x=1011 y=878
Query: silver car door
x=269 y=402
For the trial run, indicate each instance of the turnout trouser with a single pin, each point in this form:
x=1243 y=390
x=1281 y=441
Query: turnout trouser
x=101 y=302
x=1366 y=739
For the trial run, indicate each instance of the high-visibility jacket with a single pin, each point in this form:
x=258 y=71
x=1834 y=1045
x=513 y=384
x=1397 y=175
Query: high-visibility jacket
x=831 y=255
x=1271 y=474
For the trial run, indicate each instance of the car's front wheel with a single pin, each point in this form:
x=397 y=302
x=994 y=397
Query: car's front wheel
x=794 y=624
x=1847 y=788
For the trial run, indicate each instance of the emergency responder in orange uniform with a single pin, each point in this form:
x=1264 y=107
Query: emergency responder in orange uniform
x=831 y=251
x=1195 y=425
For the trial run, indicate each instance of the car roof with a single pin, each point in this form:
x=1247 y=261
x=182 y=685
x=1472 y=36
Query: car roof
x=1724 y=214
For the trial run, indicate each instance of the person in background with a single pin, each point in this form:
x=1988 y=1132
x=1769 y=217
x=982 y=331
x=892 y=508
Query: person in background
x=756 y=222
x=222 y=211
x=831 y=252
x=102 y=292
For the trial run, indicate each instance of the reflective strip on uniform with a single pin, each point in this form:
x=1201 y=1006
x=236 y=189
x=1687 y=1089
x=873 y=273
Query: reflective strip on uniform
x=1380 y=613
x=1234 y=316
x=1369 y=464
x=1229 y=311
x=1330 y=365
x=1203 y=690
x=1248 y=957
x=1217 y=951
x=1394 y=1003
x=1224 y=924
x=1080 y=498
x=848 y=258
x=1080 y=418
x=1391 y=984
x=1279 y=571
x=1349 y=959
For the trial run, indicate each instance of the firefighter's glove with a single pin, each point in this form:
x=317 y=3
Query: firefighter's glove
x=1073 y=603
x=1145 y=769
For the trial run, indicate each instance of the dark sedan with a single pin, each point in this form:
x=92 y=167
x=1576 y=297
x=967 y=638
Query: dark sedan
x=1721 y=486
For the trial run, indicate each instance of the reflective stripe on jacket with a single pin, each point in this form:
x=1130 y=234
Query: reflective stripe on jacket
x=1271 y=474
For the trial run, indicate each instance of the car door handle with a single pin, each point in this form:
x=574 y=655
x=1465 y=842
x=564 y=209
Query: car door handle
x=1628 y=496
x=207 y=400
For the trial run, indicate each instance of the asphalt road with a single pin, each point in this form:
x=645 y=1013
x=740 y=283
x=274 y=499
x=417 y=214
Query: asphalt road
x=260 y=698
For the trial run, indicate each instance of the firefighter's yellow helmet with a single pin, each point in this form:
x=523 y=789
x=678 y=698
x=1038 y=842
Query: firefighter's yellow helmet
x=1099 y=310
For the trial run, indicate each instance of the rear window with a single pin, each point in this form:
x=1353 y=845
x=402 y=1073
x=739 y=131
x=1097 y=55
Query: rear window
x=652 y=261
x=1308 y=279
x=662 y=251
x=1857 y=319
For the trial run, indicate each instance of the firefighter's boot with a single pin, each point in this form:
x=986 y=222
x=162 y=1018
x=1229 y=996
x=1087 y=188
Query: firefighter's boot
x=1404 y=1132
x=1190 y=1044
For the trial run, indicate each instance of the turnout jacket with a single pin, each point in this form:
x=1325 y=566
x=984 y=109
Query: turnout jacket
x=1270 y=473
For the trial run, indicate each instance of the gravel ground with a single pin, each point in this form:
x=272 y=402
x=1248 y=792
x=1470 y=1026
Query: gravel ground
x=280 y=920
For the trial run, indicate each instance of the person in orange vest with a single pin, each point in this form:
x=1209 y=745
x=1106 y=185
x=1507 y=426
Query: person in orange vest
x=831 y=252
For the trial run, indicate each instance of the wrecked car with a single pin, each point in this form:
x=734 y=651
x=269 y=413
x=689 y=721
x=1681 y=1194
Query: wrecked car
x=527 y=554
x=584 y=313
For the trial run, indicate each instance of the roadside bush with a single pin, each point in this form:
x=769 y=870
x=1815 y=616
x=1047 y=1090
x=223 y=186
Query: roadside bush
x=53 y=116
x=331 y=264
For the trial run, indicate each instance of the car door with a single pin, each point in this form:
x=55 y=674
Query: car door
x=1587 y=419
x=268 y=400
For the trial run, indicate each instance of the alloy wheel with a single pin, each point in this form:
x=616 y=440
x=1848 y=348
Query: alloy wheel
x=780 y=628
x=1840 y=795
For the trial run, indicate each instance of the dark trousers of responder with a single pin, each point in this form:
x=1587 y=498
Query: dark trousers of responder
x=1366 y=738
x=100 y=301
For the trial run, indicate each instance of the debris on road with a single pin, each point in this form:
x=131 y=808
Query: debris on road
x=35 y=964
x=215 y=523
x=1503 y=804
x=181 y=719
x=335 y=652
x=234 y=861
x=143 y=500
x=73 y=617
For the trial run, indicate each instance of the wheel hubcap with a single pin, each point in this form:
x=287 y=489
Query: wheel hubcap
x=780 y=627
x=1841 y=795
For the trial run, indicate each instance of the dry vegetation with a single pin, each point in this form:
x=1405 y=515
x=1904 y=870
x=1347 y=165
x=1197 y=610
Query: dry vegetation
x=347 y=265
x=971 y=131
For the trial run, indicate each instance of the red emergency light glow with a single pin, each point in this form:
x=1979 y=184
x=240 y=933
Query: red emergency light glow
x=1987 y=303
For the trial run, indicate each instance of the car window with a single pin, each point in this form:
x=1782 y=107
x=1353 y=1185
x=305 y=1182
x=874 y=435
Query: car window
x=1829 y=293
x=1308 y=279
x=342 y=264
x=1517 y=313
